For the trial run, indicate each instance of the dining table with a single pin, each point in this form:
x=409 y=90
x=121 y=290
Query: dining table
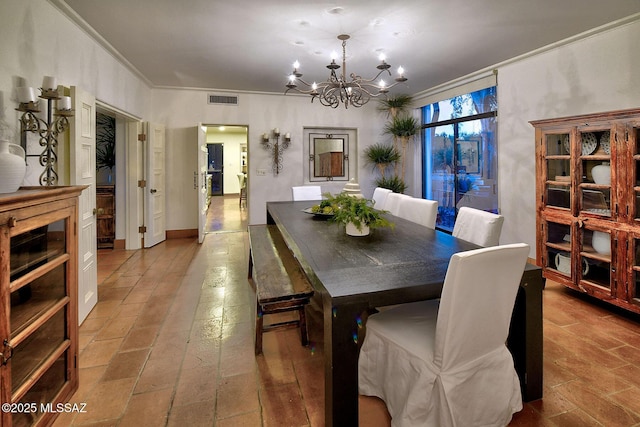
x=393 y=265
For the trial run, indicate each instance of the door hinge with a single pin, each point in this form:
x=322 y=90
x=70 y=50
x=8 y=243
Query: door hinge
x=142 y=183
x=142 y=137
x=142 y=229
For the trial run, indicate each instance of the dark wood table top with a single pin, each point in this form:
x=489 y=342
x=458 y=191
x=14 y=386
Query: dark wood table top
x=398 y=262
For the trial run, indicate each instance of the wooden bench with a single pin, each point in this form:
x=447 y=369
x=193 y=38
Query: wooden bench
x=279 y=282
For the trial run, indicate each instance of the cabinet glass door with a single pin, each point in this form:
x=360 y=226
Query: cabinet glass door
x=39 y=305
x=634 y=142
x=634 y=292
x=558 y=247
x=595 y=254
x=557 y=165
x=595 y=173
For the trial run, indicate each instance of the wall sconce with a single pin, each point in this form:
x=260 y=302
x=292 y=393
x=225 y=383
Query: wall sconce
x=272 y=142
x=48 y=130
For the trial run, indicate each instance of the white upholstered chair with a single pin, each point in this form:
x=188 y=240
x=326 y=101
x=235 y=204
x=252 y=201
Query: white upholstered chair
x=380 y=196
x=307 y=192
x=443 y=363
x=420 y=211
x=480 y=227
x=392 y=203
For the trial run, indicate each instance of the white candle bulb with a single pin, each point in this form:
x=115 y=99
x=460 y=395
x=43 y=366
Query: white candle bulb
x=64 y=103
x=276 y=131
x=382 y=57
x=25 y=94
x=49 y=82
x=296 y=65
x=401 y=71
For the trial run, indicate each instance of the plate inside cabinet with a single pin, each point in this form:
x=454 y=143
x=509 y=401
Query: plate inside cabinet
x=589 y=143
x=567 y=145
x=605 y=142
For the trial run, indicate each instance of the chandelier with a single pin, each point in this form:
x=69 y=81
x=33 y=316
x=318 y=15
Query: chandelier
x=357 y=91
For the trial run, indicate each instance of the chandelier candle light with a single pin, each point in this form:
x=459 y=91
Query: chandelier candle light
x=357 y=92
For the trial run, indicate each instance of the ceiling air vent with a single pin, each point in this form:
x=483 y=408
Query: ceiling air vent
x=223 y=99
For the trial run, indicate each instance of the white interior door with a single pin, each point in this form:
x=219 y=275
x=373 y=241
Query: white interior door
x=155 y=194
x=83 y=172
x=202 y=155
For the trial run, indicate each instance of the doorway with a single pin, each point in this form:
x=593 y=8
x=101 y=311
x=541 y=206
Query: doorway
x=227 y=157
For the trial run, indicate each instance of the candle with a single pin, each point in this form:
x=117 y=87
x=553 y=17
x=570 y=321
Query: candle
x=49 y=82
x=26 y=94
x=265 y=136
x=64 y=103
x=276 y=131
x=287 y=135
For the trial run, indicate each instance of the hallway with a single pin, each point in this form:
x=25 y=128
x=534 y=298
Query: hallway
x=170 y=342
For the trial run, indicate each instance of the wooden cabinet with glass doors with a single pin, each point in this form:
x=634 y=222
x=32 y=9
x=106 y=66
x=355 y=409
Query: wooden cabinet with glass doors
x=38 y=318
x=588 y=204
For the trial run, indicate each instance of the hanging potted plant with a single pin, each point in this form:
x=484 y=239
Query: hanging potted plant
x=395 y=105
x=357 y=214
x=404 y=128
x=381 y=156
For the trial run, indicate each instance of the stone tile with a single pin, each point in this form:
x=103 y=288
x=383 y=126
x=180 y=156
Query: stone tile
x=99 y=352
x=108 y=400
x=196 y=414
x=147 y=409
x=283 y=405
x=237 y=395
x=126 y=365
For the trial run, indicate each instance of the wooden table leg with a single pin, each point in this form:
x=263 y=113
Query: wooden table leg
x=341 y=323
x=525 y=334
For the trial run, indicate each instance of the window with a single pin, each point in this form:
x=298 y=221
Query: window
x=460 y=154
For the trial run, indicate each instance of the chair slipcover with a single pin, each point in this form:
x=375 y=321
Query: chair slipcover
x=392 y=204
x=379 y=197
x=444 y=362
x=420 y=211
x=307 y=192
x=479 y=227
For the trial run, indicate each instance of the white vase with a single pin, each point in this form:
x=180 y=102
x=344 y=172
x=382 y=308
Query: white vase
x=602 y=174
x=601 y=242
x=563 y=265
x=12 y=166
x=352 y=230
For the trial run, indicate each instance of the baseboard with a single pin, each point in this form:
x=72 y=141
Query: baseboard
x=119 y=244
x=182 y=234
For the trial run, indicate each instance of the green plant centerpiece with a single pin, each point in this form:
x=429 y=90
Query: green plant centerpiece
x=356 y=213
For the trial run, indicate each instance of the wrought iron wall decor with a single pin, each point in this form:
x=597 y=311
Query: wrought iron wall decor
x=47 y=130
x=272 y=143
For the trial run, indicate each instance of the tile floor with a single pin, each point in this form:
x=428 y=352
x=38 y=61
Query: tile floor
x=170 y=342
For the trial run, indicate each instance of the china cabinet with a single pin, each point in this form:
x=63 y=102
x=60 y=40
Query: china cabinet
x=588 y=204
x=38 y=318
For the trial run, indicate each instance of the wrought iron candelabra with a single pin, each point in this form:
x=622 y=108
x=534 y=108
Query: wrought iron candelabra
x=272 y=143
x=47 y=130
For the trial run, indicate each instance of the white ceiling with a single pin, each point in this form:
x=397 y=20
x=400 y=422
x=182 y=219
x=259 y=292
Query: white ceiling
x=250 y=45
